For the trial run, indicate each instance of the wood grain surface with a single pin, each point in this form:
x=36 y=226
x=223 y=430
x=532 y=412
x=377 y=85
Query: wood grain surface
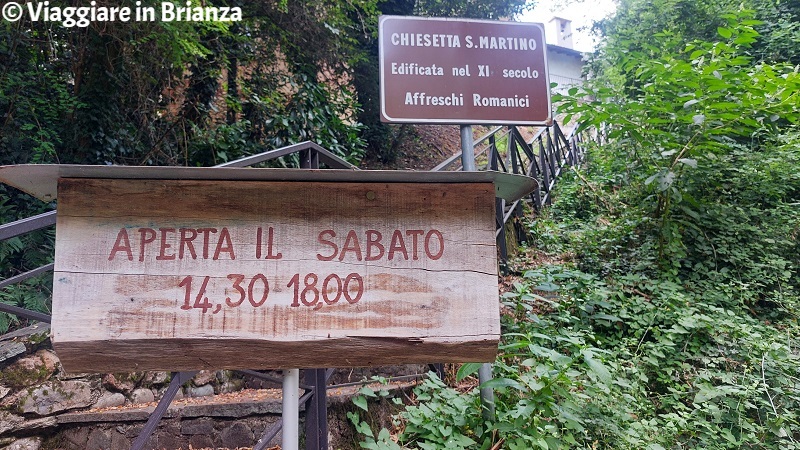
x=182 y=275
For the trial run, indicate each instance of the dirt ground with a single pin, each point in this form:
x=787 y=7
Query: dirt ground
x=421 y=147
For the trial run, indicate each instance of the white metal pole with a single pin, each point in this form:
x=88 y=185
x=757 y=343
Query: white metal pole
x=290 y=433
x=487 y=393
x=485 y=372
x=467 y=149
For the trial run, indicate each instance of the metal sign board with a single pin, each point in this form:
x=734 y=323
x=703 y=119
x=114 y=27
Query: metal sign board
x=459 y=71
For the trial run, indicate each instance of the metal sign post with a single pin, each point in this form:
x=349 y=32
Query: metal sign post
x=473 y=72
x=290 y=435
x=467 y=150
x=485 y=372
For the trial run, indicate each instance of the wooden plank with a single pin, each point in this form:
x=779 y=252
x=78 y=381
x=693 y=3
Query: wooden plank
x=187 y=274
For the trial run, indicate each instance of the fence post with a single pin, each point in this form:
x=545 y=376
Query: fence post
x=290 y=436
x=467 y=149
x=309 y=159
x=316 y=427
x=511 y=151
x=545 y=161
x=574 y=150
x=317 y=410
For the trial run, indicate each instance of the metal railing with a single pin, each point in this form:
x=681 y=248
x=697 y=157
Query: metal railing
x=541 y=158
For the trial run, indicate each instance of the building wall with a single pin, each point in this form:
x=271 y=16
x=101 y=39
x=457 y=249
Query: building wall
x=565 y=67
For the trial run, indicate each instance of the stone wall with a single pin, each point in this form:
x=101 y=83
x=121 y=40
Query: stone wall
x=43 y=407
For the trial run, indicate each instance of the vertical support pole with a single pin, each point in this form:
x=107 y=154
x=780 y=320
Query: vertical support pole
x=290 y=436
x=493 y=152
x=487 y=394
x=317 y=405
x=574 y=150
x=500 y=212
x=317 y=411
x=499 y=209
x=554 y=167
x=467 y=149
x=545 y=161
x=558 y=149
x=309 y=159
x=485 y=372
x=512 y=151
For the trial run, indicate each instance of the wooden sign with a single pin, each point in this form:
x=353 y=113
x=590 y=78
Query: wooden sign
x=164 y=274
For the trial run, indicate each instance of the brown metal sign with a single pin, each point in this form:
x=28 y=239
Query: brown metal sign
x=157 y=274
x=458 y=71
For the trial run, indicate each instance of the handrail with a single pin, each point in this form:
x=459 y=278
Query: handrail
x=24 y=276
x=26 y=225
x=329 y=158
x=497 y=135
x=554 y=151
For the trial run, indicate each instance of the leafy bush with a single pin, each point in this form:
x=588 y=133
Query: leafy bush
x=689 y=106
x=626 y=363
x=318 y=113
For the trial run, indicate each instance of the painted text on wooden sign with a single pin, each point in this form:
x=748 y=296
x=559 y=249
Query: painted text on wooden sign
x=180 y=275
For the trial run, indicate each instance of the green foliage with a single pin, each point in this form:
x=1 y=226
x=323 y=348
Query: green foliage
x=487 y=9
x=686 y=108
x=626 y=363
x=313 y=113
x=443 y=418
x=780 y=28
x=164 y=93
x=222 y=144
x=361 y=424
x=637 y=26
